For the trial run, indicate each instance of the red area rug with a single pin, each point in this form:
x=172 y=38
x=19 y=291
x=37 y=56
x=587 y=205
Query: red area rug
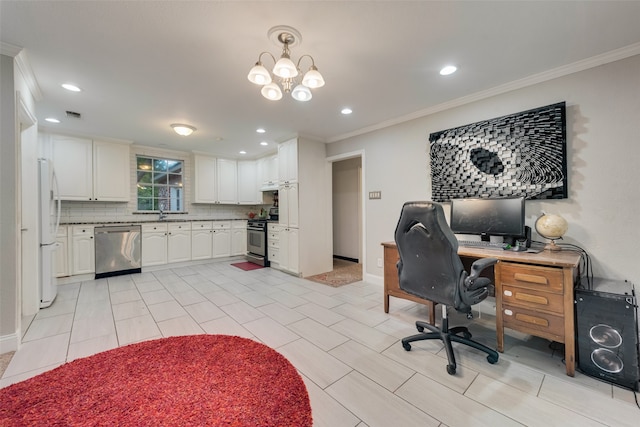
x=199 y=380
x=246 y=266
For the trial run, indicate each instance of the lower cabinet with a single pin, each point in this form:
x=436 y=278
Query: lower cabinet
x=179 y=242
x=62 y=252
x=221 y=239
x=82 y=249
x=201 y=240
x=273 y=244
x=289 y=245
x=238 y=237
x=154 y=244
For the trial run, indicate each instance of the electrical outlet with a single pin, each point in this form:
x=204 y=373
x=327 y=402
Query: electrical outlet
x=380 y=262
x=375 y=195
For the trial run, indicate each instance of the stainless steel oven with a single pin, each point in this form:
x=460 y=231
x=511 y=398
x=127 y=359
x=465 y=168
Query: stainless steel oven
x=257 y=242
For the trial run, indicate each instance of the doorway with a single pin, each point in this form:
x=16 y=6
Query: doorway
x=347 y=211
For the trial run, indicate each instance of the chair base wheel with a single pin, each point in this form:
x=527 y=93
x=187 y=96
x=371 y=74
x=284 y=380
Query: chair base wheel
x=451 y=369
x=420 y=328
x=491 y=359
x=406 y=346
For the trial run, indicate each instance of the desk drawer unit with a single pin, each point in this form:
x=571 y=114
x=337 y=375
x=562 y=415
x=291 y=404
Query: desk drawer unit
x=533 y=300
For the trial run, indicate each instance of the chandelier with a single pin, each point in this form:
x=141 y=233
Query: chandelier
x=285 y=69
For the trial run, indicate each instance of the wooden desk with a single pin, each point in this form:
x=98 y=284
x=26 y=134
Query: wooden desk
x=534 y=293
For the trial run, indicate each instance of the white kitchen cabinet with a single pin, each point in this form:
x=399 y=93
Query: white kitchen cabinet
x=288 y=161
x=215 y=180
x=268 y=172
x=204 y=179
x=289 y=250
x=179 y=242
x=154 y=244
x=273 y=244
x=221 y=239
x=248 y=193
x=89 y=170
x=82 y=249
x=288 y=212
x=227 y=182
x=201 y=240
x=62 y=252
x=238 y=237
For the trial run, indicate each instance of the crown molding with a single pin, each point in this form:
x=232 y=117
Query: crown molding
x=585 y=64
x=24 y=67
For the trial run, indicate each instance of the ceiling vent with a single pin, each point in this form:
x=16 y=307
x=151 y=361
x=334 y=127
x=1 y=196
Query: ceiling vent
x=73 y=115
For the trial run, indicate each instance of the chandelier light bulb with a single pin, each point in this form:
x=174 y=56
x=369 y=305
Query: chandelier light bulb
x=259 y=75
x=271 y=91
x=285 y=68
x=313 y=79
x=301 y=93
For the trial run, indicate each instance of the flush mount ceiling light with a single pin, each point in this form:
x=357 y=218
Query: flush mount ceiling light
x=285 y=69
x=183 y=130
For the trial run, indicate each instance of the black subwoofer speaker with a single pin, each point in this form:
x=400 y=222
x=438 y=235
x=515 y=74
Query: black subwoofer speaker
x=607 y=333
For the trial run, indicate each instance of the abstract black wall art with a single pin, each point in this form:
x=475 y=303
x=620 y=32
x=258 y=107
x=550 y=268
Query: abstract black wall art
x=522 y=154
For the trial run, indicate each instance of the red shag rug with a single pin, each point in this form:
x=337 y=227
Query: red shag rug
x=199 y=380
x=247 y=266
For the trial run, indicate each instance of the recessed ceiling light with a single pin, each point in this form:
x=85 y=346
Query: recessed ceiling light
x=243 y=152
x=449 y=69
x=52 y=120
x=260 y=130
x=71 y=87
x=346 y=110
x=264 y=143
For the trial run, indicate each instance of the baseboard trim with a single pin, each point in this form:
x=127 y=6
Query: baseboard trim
x=8 y=343
x=346 y=258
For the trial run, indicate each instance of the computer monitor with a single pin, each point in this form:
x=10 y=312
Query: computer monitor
x=488 y=217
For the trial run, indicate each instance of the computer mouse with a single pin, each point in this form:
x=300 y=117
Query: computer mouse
x=518 y=248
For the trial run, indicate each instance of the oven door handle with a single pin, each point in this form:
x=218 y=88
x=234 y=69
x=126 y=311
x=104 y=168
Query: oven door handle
x=255 y=229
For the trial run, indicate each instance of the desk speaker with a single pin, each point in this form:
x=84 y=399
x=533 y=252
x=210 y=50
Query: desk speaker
x=607 y=333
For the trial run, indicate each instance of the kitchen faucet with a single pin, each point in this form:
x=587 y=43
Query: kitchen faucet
x=163 y=214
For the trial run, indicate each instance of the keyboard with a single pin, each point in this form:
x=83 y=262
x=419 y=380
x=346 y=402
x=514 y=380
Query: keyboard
x=484 y=245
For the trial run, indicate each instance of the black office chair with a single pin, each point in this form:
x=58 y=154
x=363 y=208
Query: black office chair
x=430 y=268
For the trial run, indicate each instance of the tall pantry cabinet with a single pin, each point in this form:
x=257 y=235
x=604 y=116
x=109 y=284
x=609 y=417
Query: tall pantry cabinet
x=305 y=231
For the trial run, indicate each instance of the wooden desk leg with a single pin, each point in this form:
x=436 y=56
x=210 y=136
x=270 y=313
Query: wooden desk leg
x=432 y=312
x=499 y=311
x=569 y=323
x=386 y=302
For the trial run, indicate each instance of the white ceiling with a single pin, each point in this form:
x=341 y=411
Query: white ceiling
x=143 y=65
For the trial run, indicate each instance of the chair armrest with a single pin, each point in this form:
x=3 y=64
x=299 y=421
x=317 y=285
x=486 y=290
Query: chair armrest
x=479 y=265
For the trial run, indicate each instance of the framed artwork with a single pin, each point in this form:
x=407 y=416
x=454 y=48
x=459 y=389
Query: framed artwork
x=522 y=154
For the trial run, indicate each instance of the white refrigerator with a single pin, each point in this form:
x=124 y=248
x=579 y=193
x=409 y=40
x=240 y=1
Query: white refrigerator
x=49 y=217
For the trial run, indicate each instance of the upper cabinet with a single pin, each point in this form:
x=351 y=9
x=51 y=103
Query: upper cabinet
x=288 y=161
x=248 y=193
x=268 y=173
x=91 y=170
x=215 y=180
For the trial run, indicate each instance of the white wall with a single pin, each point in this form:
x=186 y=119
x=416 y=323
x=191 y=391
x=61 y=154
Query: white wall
x=603 y=132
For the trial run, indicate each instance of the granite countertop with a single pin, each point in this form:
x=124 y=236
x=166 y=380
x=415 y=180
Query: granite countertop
x=146 y=221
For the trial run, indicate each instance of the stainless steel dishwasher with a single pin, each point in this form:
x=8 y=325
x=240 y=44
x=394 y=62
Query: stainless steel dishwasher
x=118 y=250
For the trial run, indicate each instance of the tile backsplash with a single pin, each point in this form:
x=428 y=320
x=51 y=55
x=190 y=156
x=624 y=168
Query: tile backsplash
x=74 y=212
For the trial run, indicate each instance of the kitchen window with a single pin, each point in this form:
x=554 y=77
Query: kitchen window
x=159 y=184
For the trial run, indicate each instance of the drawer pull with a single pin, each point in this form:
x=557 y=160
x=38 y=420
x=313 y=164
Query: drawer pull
x=532 y=298
x=541 y=280
x=508 y=293
x=532 y=320
x=508 y=312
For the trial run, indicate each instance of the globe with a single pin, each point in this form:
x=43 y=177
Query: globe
x=551 y=227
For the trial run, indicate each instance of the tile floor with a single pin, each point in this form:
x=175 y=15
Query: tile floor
x=341 y=341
